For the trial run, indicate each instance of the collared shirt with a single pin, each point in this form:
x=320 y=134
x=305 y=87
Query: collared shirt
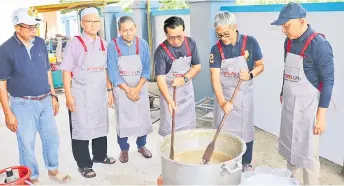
x=25 y=75
x=73 y=55
x=126 y=50
x=230 y=51
x=317 y=64
x=163 y=62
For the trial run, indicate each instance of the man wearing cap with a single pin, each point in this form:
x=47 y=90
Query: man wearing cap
x=129 y=63
x=88 y=93
x=26 y=76
x=306 y=93
x=235 y=57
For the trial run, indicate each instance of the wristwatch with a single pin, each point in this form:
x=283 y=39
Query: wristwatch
x=251 y=75
x=186 y=79
x=109 y=89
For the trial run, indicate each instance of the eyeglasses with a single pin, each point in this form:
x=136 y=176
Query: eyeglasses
x=31 y=27
x=224 y=35
x=91 y=22
x=175 y=37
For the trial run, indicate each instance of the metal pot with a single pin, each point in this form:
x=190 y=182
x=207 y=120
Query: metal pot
x=226 y=173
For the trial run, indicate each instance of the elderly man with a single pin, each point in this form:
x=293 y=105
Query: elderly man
x=307 y=82
x=129 y=62
x=25 y=74
x=176 y=63
x=88 y=93
x=235 y=57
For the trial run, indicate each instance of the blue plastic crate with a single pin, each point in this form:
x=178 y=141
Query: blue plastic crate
x=57 y=78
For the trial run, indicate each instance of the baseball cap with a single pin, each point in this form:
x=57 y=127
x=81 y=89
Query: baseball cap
x=87 y=11
x=25 y=16
x=290 y=11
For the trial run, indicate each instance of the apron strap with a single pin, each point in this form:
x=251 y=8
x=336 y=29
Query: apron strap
x=310 y=38
x=82 y=42
x=243 y=48
x=244 y=45
x=167 y=51
x=188 y=51
x=119 y=50
x=137 y=46
x=219 y=46
x=102 y=45
x=288 y=46
x=117 y=47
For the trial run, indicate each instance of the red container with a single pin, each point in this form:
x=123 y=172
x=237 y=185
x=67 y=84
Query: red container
x=24 y=175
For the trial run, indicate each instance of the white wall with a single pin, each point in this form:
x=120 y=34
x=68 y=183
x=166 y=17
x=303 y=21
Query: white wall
x=268 y=85
x=158 y=28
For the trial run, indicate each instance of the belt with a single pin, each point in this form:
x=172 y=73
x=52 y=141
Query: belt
x=41 y=97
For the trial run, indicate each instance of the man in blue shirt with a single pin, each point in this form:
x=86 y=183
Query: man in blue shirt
x=235 y=57
x=25 y=74
x=307 y=89
x=128 y=69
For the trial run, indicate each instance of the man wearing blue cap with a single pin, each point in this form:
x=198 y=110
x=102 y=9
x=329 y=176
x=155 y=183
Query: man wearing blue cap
x=88 y=93
x=307 y=89
x=25 y=74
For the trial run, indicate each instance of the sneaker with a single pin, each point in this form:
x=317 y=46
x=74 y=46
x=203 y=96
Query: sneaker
x=247 y=167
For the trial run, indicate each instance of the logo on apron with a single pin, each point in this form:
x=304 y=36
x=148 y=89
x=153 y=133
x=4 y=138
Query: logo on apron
x=130 y=73
x=96 y=69
x=230 y=74
x=292 y=78
x=178 y=75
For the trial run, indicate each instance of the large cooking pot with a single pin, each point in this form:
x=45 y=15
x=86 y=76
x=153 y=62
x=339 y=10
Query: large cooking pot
x=177 y=173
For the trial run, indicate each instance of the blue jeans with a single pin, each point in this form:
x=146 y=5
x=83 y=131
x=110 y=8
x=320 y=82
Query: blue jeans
x=36 y=116
x=247 y=157
x=124 y=145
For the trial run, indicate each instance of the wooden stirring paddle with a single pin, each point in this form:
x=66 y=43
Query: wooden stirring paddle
x=210 y=149
x=173 y=125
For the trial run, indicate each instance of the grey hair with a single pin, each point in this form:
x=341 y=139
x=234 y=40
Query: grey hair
x=224 y=19
x=124 y=19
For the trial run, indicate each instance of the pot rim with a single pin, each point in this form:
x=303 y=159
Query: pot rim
x=202 y=130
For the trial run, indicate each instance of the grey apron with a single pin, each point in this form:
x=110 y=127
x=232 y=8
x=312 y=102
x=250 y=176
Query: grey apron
x=299 y=108
x=90 y=120
x=240 y=121
x=185 y=101
x=133 y=118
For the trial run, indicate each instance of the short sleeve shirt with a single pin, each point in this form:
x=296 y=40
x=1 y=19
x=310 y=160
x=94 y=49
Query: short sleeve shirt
x=163 y=62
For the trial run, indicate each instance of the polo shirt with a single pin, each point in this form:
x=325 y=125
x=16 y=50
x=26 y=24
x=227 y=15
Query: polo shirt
x=26 y=73
x=163 y=62
x=318 y=63
x=126 y=50
x=230 y=51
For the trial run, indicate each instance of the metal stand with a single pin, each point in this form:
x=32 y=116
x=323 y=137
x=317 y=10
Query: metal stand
x=205 y=108
x=152 y=97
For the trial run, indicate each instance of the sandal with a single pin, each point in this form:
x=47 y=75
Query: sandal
x=108 y=160
x=60 y=178
x=85 y=172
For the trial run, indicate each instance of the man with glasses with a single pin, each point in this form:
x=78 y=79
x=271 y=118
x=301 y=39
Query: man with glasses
x=129 y=63
x=25 y=75
x=88 y=94
x=176 y=63
x=235 y=57
x=306 y=93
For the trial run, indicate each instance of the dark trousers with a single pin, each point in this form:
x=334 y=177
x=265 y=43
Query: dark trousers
x=124 y=145
x=81 y=151
x=247 y=157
